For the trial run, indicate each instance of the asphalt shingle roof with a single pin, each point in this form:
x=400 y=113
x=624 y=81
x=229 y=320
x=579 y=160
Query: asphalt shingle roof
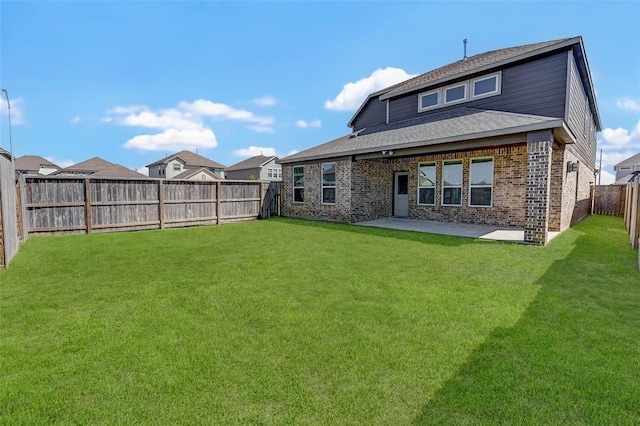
x=251 y=163
x=33 y=162
x=190 y=159
x=450 y=126
x=97 y=167
x=192 y=172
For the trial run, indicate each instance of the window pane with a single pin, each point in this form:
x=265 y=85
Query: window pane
x=328 y=174
x=427 y=175
x=454 y=94
x=426 y=196
x=298 y=180
x=481 y=196
x=452 y=174
x=298 y=195
x=485 y=86
x=481 y=172
x=329 y=195
x=403 y=184
x=452 y=196
x=429 y=100
x=298 y=170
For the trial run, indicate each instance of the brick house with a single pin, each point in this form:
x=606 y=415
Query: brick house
x=504 y=138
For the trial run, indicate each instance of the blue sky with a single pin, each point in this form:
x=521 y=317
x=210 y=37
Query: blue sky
x=133 y=81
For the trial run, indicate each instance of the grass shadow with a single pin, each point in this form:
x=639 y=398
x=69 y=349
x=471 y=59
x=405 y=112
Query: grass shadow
x=573 y=356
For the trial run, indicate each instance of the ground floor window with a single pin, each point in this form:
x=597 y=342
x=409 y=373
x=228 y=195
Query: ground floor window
x=481 y=182
x=298 y=184
x=452 y=183
x=427 y=184
x=328 y=183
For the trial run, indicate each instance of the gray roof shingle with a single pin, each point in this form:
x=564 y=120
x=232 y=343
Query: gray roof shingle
x=190 y=159
x=251 y=163
x=97 y=167
x=450 y=126
x=192 y=172
x=33 y=162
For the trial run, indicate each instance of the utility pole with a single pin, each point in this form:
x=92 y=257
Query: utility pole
x=6 y=94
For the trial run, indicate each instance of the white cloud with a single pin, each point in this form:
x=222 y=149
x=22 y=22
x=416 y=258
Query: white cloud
x=143 y=170
x=621 y=138
x=174 y=140
x=17 y=110
x=293 y=151
x=606 y=178
x=183 y=127
x=265 y=101
x=61 y=163
x=252 y=151
x=610 y=159
x=354 y=93
x=75 y=120
x=308 y=124
x=628 y=103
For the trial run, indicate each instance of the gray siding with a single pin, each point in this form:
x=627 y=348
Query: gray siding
x=374 y=112
x=579 y=117
x=245 y=174
x=537 y=87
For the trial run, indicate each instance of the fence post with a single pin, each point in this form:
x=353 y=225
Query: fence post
x=161 y=203
x=218 y=194
x=87 y=203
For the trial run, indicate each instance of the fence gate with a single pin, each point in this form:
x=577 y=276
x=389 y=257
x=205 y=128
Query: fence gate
x=609 y=200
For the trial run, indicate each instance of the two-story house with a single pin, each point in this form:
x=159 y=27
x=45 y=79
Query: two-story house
x=259 y=167
x=626 y=169
x=504 y=138
x=188 y=166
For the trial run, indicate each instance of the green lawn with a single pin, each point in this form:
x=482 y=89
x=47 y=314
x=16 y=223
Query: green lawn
x=285 y=321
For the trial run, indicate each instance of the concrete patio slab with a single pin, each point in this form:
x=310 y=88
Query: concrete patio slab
x=485 y=232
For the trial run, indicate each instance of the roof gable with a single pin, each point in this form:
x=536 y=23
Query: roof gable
x=251 y=163
x=33 y=162
x=192 y=172
x=97 y=167
x=190 y=159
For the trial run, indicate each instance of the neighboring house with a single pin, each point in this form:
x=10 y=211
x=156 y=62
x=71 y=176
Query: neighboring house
x=625 y=169
x=259 y=167
x=176 y=164
x=98 y=168
x=197 y=174
x=35 y=165
x=504 y=138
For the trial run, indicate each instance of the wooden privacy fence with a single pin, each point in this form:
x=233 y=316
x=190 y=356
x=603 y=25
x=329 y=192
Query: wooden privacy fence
x=608 y=200
x=9 y=236
x=632 y=212
x=69 y=204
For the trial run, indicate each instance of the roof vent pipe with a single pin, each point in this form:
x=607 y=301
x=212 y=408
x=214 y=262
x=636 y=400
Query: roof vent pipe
x=465 y=49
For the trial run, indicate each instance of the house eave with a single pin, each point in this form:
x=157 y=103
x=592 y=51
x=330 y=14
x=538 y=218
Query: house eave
x=546 y=125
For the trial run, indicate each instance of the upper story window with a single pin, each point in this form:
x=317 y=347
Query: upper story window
x=328 y=183
x=454 y=94
x=464 y=91
x=177 y=166
x=298 y=184
x=485 y=86
x=427 y=184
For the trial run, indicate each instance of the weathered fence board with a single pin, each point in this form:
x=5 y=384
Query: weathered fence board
x=59 y=204
x=9 y=236
x=609 y=200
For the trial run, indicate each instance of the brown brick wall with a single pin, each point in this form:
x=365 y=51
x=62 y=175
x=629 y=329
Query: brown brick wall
x=539 y=160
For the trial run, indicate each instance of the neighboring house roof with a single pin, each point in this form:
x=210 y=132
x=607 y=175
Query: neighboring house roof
x=33 y=162
x=461 y=124
x=5 y=153
x=190 y=159
x=634 y=160
x=192 y=172
x=251 y=163
x=484 y=62
x=628 y=178
x=97 y=167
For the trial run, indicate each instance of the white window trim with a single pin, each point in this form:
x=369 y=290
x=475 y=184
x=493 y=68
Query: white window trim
x=493 y=174
x=323 y=186
x=435 y=184
x=293 y=181
x=497 y=75
x=438 y=105
x=461 y=162
x=465 y=98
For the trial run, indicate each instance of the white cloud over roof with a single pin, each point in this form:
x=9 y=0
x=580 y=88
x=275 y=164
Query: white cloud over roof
x=354 y=93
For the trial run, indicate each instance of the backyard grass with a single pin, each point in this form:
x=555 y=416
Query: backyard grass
x=294 y=322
